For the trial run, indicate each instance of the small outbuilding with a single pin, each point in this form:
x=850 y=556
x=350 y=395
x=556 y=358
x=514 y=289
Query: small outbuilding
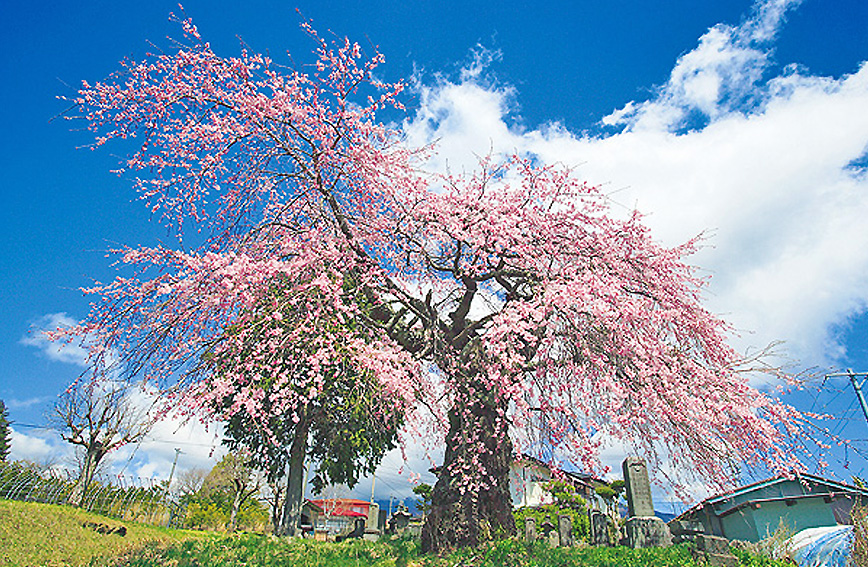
x=755 y=511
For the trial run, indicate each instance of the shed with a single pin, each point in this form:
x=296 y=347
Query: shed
x=755 y=511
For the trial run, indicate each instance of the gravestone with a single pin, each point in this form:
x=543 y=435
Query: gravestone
x=549 y=532
x=713 y=551
x=357 y=531
x=598 y=522
x=685 y=530
x=638 y=488
x=530 y=529
x=642 y=528
x=646 y=531
x=373 y=517
x=565 y=530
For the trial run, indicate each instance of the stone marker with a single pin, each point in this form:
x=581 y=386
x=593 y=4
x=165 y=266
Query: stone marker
x=530 y=529
x=638 y=488
x=599 y=528
x=554 y=539
x=643 y=528
x=565 y=531
x=685 y=530
x=549 y=532
x=647 y=531
x=713 y=551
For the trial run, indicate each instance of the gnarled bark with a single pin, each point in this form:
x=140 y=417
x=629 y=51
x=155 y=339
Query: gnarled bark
x=471 y=501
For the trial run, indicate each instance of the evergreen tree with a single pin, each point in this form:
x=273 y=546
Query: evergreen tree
x=5 y=433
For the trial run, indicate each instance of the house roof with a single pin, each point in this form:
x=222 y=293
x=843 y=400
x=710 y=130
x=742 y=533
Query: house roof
x=572 y=475
x=340 y=506
x=836 y=489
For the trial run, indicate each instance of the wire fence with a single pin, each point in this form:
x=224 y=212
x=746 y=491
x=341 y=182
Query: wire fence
x=123 y=497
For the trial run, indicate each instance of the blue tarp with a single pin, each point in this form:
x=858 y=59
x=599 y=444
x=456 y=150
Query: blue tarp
x=822 y=547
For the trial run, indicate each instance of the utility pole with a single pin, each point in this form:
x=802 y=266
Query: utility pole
x=857 y=386
x=169 y=485
x=172 y=472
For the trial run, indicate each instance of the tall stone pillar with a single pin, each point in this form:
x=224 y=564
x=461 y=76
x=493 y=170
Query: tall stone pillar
x=643 y=528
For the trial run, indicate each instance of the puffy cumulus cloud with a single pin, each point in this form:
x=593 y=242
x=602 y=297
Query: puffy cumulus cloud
x=43 y=447
x=765 y=167
x=719 y=76
x=70 y=353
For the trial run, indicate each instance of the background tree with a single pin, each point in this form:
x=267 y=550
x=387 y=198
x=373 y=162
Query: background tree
x=99 y=416
x=5 y=433
x=611 y=493
x=233 y=476
x=339 y=417
x=224 y=499
x=190 y=482
x=423 y=491
x=513 y=287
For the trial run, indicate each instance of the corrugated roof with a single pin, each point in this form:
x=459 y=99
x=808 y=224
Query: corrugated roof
x=837 y=487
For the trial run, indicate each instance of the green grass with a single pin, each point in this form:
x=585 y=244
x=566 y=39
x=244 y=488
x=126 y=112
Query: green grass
x=267 y=551
x=47 y=535
x=42 y=535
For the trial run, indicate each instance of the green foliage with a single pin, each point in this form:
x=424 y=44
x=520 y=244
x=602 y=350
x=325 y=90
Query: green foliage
x=212 y=511
x=579 y=516
x=5 y=433
x=264 y=551
x=269 y=551
x=348 y=421
x=210 y=508
x=565 y=494
x=423 y=491
x=567 y=502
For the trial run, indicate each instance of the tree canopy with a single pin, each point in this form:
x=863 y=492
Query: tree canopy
x=282 y=412
x=500 y=300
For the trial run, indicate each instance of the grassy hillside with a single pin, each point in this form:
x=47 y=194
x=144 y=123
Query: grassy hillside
x=37 y=535
x=34 y=535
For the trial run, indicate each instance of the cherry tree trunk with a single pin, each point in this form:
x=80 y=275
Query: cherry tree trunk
x=295 y=478
x=471 y=502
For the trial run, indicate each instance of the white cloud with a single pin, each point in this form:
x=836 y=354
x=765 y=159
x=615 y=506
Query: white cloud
x=70 y=353
x=30 y=402
x=761 y=165
x=42 y=446
x=153 y=456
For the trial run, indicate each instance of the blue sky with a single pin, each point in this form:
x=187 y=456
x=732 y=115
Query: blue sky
x=746 y=120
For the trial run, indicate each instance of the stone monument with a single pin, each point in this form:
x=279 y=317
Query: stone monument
x=713 y=551
x=549 y=533
x=530 y=529
x=599 y=528
x=565 y=530
x=638 y=488
x=643 y=528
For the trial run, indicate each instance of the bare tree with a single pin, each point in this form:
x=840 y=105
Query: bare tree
x=190 y=481
x=100 y=416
